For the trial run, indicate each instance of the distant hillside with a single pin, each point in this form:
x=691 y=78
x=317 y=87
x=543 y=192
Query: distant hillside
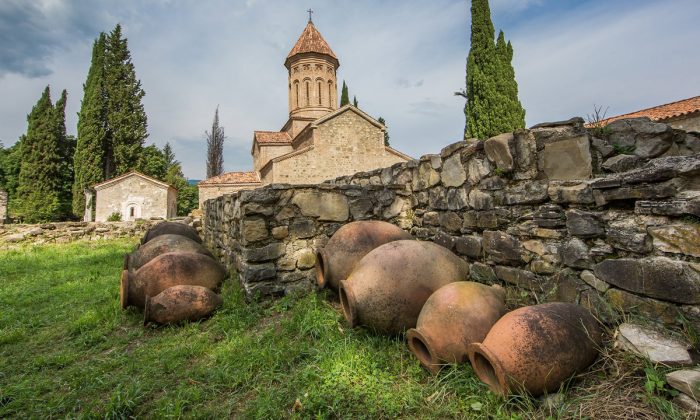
x=193 y=181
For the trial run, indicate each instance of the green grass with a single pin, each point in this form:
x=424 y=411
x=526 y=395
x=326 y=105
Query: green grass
x=68 y=350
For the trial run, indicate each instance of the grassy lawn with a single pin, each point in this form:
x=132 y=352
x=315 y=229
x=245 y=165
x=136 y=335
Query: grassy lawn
x=68 y=350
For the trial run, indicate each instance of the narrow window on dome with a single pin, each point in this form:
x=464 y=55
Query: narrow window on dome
x=330 y=96
x=319 y=93
x=296 y=93
x=307 y=94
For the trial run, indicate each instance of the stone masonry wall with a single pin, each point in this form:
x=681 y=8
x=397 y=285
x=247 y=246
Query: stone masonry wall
x=609 y=219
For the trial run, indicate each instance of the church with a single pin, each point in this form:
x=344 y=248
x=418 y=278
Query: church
x=319 y=141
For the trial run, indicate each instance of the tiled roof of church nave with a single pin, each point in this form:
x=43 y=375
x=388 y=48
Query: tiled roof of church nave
x=233 y=178
x=271 y=137
x=311 y=41
x=662 y=112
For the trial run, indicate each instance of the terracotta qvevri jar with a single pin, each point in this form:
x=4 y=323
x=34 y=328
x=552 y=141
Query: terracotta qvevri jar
x=180 y=303
x=167 y=270
x=160 y=245
x=174 y=228
x=348 y=245
x=388 y=287
x=453 y=317
x=535 y=348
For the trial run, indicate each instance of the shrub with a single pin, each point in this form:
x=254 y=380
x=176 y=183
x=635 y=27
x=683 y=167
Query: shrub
x=115 y=217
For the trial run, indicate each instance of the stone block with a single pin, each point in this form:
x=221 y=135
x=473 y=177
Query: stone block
x=251 y=273
x=647 y=138
x=584 y=224
x=570 y=193
x=361 y=208
x=686 y=381
x=425 y=177
x=622 y=163
x=502 y=247
x=262 y=254
x=482 y=273
x=677 y=239
x=654 y=345
x=396 y=208
x=499 y=150
x=526 y=192
x=469 y=245
x=480 y=200
x=575 y=254
x=326 y=206
x=477 y=169
x=677 y=207
x=589 y=278
x=253 y=230
x=656 y=277
x=431 y=218
x=453 y=173
x=280 y=232
x=445 y=240
x=306 y=258
x=437 y=198
x=629 y=303
x=568 y=159
x=568 y=286
x=629 y=236
x=458 y=198
x=451 y=221
x=302 y=228
x=521 y=278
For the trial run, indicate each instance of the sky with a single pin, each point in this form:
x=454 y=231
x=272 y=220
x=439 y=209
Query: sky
x=403 y=59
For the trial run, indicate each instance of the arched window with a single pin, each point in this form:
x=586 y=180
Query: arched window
x=319 y=93
x=307 y=94
x=330 y=95
x=296 y=93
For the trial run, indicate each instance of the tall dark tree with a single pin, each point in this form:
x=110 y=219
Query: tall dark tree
x=354 y=101
x=39 y=190
x=66 y=150
x=126 y=118
x=10 y=162
x=344 y=96
x=508 y=86
x=89 y=160
x=215 y=147
x=381 y=121
x=490 y=108
x=169 y=155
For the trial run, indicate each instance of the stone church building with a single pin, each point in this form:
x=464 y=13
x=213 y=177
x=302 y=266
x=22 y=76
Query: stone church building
x=319 y=141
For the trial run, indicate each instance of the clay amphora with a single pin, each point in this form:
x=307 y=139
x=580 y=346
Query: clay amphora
x=180 y=303
x=535 y=348
x=174 y=228
x=389 y=285
x=348 y=245
x=161 y=245
x=453 y=317
x=167 y=270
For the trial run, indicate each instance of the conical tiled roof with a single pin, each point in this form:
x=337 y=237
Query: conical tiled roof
x=311 y=41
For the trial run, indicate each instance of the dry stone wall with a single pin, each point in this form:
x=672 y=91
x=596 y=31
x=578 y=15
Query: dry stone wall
x=3 y=206
x=609 y=219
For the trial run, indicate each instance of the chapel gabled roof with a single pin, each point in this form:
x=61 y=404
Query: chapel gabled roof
x=662 y=112
x=311 y=41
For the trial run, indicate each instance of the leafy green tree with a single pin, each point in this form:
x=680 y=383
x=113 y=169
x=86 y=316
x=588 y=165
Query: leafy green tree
x=169 y=155
x=10 y=162
x=38 y=195
x=153 y=163
x=492 y=106
x=89 y=158
x=344 y=96
x=386 y=133
x=126 y=117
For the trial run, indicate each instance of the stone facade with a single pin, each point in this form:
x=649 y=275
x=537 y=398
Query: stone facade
x=135 y=196
x=3 y=206
x=617 y=242
x=689 y=122
x=318 y=141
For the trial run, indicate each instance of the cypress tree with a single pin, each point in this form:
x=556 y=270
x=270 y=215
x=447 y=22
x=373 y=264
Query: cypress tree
x=344 y=96
x=381 y=121
x=354 y=101
x=126 y=118
x=38 y=192
x=492 y=106
x=89 y=158
x=215 y=147
x=66 y=149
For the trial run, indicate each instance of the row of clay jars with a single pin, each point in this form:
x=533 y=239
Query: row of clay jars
x=389 y=286
x=180 y=303
x=348 y=245
x=535 y=348
x=453 y=317
x=171 y=228
x=160 y=245
x=167 y=270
